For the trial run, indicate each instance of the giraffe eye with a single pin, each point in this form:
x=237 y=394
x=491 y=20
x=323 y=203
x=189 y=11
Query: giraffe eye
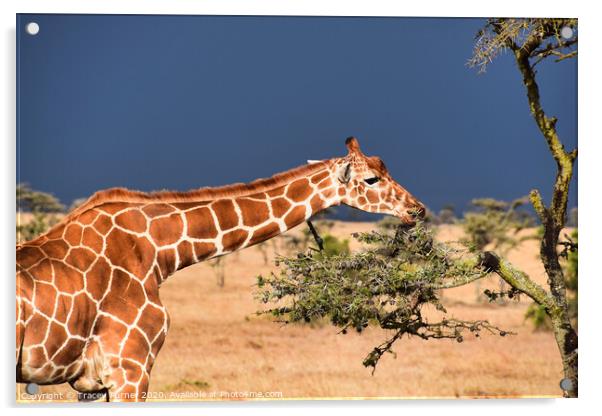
x=372 y=181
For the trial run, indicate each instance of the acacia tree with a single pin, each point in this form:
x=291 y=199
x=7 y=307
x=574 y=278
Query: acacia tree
x=401 y=270
x=42 y=207
x=531 y=41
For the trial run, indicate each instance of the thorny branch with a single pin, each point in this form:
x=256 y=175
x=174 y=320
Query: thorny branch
x=388 y=284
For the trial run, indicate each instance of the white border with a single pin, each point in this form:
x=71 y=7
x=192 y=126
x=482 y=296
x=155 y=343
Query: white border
x=589 y=184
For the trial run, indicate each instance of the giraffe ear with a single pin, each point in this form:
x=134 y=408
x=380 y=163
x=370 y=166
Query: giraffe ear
x=353 y=145
x=345 y=173
x=311 y=161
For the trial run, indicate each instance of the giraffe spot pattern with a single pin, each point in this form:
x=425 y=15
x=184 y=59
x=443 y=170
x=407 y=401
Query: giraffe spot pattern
x=27 y=256
x=45 y=298
x=128 y=289
x=264 y=233
x=296 y=216
x=135 y=254
x=186 y=254
x=234 y=239
x=329 y=193
x=320 y=176
x=149 y=317
x=56 y=249
x=36 y=357
x=157 y=210
x=167 y=230
x=97 y=279
x=73 y=234
x=111 y=332
x=63 y=307
x=166 y=259
x=280 y=206
x=87 y=217
x=69 y=352
x=135 y=370
x=225 y=213
x=55 y=233
x=136 y=346
x=253 y=212
x=132 y=220
x=42 y=271
x=67 y=279
x=92 y=239
x=200 y=223
x=203 y=251
x=372 y=196
x=80 y=323
x=37 y=327
x=81 y=258
x=103 y=224
x=324 y=184
x=299 y=190
x=316 y=203
x=275 y=192
x=58 y=338
x=118 y=307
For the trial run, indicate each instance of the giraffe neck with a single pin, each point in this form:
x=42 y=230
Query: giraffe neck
x=201 y=230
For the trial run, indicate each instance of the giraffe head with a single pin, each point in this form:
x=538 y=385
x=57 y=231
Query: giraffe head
x=365 y=184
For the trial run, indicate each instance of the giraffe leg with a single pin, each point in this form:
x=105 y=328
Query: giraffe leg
x=112 y=378
x=127 y=337
x=129 y=374
x=128 y=383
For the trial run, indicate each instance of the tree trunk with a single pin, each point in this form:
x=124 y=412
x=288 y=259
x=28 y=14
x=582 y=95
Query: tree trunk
x=564 y=333
x=566 y=338
x=552 y=219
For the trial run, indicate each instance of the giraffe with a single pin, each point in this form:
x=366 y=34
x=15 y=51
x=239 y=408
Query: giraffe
x=88 y=310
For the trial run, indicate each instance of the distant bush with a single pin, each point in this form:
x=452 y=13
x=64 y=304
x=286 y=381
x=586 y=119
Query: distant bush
x=39 y=224
x=496 y=223
x=41 y=205
x=538 y=316
x=447 y=215
x=29 y=200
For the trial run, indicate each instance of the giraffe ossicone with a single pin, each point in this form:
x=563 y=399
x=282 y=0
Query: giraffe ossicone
x=88 y=305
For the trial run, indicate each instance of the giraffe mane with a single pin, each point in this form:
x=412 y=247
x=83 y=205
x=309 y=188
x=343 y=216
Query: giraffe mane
x=201 y=194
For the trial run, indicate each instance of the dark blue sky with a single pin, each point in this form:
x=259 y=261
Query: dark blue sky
x=180 y=102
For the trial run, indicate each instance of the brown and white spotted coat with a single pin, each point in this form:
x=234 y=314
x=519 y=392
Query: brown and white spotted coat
x=88 y=306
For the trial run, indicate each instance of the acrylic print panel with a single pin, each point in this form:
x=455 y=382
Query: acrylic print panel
x=153 y=265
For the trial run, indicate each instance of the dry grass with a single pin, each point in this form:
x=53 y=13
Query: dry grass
x=216 y=344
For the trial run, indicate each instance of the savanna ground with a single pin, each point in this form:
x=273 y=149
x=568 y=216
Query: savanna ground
x=219 y=349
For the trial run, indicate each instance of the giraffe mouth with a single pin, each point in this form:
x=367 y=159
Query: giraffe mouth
x=413 y=215
x=408 y=220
